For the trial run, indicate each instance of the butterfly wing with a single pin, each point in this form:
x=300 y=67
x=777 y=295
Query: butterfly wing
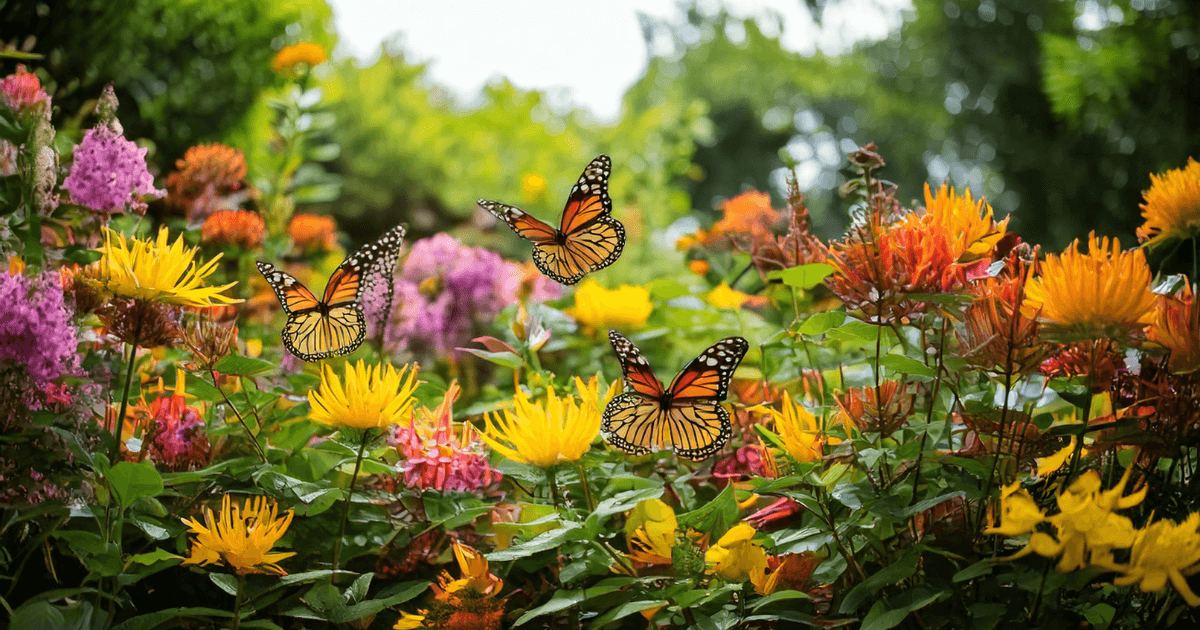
x=632 y=420
x=314 y=335
x=371 y=268
x=638 y=376
x=521 y=222
x=707 y=376
x=294 y=296
x=589 y=198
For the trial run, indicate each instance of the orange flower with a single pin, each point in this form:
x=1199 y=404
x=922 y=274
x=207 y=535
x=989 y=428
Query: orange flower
x=240 y=228
x=1096 y=292
x=879 y=411
x=997 y=333
x=1176 y=327
x=475 y=577
x=749 y=213
x=205 y=174
x=292 y=60
x=1172 y=206
x=699 y=267
x=313 y=232
x=973 y=232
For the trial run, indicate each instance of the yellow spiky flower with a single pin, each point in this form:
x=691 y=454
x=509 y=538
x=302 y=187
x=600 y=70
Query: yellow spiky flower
x=155 y=271
x=974 y=231
x=240 y=537
x=1171 y=206
x=560 y=429
x=367 y=398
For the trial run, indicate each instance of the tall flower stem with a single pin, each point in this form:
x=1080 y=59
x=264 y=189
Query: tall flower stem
x=249 y=433
x=587 y=490
x=337 y=546
x=552 y=473
x=119 y=429
x=237 y=602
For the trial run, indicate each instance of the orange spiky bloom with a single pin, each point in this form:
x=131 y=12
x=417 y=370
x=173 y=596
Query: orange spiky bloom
x=206 y=173
x=1105 y=291
x=878 y=410
x=997 y=336
x=291 y=60
x=313 y=232
x=875 y=269
x=240 y=228
x=1171 y=206
x=1176 y=327
x=973 y=232
x=748 y=214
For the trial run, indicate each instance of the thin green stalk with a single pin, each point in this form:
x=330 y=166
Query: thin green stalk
x=120 y=422
x=587 y=490
x=552 y=473
x=249 y=433
x=337 y=546
x=932 y=401
x=237 y=602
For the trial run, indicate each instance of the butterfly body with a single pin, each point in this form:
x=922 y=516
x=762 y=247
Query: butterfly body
x=686 y=416
x=334 y=324
x=587 y=239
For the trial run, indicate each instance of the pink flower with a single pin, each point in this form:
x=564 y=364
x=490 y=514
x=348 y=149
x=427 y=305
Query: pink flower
x=439 y=457
x=178 y=440
x=109 y=173
x=22 y=91
x=745 y=461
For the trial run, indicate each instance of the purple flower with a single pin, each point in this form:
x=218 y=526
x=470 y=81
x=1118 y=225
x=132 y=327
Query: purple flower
x=35 y=329
x=109 y=172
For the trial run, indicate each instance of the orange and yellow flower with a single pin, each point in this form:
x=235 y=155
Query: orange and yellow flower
x=1171 y=206
x=313 y=232
x=240 y=228
x=240 y=537
x=1176 y=327
x=650 y=531
x=367 y=398
x=973 y=232
x=292 y=60
x=1101 y=290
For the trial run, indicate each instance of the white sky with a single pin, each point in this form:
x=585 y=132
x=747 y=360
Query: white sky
x=584 y=52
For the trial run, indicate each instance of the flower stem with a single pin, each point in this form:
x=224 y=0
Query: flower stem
x=587 y=490
x=337 y=546
x=249 y=433
x=120 y=422
x=553 y=475
x=237 y=602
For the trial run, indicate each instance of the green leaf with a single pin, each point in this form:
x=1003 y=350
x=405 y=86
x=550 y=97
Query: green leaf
x=890 y=612
x=1100 y=615
x=890 y=574
x=505 y=359
x=237 y=365
x=627 y=500
x=921 y=506
x=42 y=615
x=905 y=365
x=716 y=516
x=156 y=556
x=359 y=588
x=131 y=481
x=539 y=543
x=225 y=582
x=150 y=621
x=778 y=596
x=820 y=323
x=983 y=567
x=563 y=600
x=803 y=276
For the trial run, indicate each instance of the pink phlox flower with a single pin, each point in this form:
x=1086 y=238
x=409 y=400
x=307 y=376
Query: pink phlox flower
x=440 y=456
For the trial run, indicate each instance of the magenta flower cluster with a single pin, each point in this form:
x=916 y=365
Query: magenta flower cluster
x=435 y=458
x=180 y=441
x=109 y=173
x=35 y=328
x=444 y=291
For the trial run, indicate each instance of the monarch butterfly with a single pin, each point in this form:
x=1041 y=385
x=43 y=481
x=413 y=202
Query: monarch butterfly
x=687 y=416
x=587 y=239
x=335 y=324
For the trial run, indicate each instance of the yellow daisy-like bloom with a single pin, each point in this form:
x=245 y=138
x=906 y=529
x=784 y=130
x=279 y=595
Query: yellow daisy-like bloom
x=1101 y=290
x=408 y=621
x=800 y=431
x=533 y=187
x=725 y=297
x=650 y=531
x=974 y=233
x=1019 y=513
x=1172 y=206
x=370 y=397
x=475 y=576
x=155 y=271
x=1162 y=552
x=624 y=308
x=1051 y=464
x=1176 y=327
x=736 y=557
x=289 y=58
x=240 y=537
x=558 y=430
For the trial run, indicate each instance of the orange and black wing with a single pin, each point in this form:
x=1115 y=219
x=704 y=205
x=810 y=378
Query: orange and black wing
x=313 y=329
x=707 y=376
x=294 y=296
x=521 y=222
x=589 y=198
x=638 y=376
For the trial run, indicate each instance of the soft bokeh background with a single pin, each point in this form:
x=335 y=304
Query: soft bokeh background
x=1056 y=111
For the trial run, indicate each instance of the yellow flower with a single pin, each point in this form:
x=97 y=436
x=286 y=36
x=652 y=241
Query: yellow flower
x=600 y=309
x=475 y=576
x=736 y=557
x=727 y=298
x=650 y=531
x=974 y=233
x=559 y=430
x=409 y=621
x=1164 y=551
x=288 y=59
x=156 y=271
x=372 y=397
x=801 y=433
x=1105 y=288
x=240 y=537
x=1049 y=465
x=1176 y=327
x=1172 y=206
x=1019 y=513
x=533 y=187
x=590 y=390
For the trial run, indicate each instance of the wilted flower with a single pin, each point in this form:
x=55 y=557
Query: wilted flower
x=155 y=271
x=790 y=570
x=439 y=455
x=736 y=556
x=650 y=532
x=600 y=309
x=969 y=223
x=35 y=328
x=240 y=228
x=240 y=537
x=209 y=342
x=558 y=430
x=367 y=398
x=468 y=602
x=313 y=232
x=998 y=335
x=297 y=58
x=1162 y=552
x=141 y=323
x=1176 y=327
x=21 y=91
x=109 y=173
x=1102 y=290
x=1172 y=206
x=204 y=175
